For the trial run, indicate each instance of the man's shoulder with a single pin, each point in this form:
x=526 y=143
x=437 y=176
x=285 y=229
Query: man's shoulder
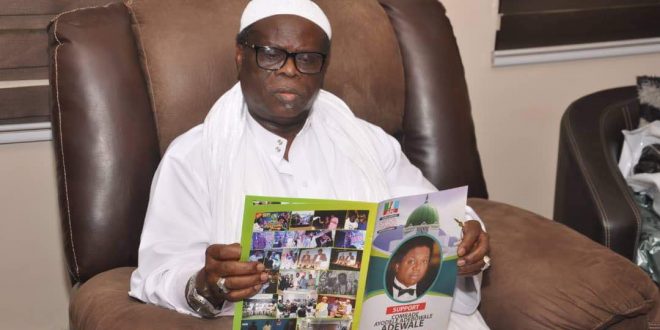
x=374 y=130
x=186 y=144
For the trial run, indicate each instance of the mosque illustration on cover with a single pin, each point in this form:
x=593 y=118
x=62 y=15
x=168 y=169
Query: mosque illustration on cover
x=391 y=230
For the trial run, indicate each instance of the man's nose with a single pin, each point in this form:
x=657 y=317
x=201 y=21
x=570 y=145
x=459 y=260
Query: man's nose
x=289 y=67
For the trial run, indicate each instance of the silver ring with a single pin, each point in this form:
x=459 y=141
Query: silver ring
x=486 y=263
x=221 y=285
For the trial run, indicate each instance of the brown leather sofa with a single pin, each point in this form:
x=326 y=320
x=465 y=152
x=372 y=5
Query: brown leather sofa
x=591 y=195
x=128 y=78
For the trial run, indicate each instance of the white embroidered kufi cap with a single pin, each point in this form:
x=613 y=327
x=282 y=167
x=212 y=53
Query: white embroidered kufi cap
x=260 y=9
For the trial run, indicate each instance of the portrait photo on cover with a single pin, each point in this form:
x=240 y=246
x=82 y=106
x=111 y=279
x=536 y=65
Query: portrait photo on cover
x=413 y=268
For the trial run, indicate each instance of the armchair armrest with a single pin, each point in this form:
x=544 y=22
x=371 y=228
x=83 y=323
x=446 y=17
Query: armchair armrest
x=103 y=303
x=591 y=195
x=546 y=276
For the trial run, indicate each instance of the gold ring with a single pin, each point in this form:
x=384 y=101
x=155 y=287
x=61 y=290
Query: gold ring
x=221 y=285
x=486 y=263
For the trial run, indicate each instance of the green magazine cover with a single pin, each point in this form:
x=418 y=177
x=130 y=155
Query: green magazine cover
x=352 y=265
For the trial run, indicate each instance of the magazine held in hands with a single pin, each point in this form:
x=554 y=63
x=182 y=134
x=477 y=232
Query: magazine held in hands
x=352 y=265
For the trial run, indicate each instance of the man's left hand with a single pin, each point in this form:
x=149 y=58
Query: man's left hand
x=473 y=248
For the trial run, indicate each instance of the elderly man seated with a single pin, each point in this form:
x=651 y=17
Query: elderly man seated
x=276 y=133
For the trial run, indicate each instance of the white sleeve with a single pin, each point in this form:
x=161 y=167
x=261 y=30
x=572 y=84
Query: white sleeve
x=175 y=234
x=404 y=178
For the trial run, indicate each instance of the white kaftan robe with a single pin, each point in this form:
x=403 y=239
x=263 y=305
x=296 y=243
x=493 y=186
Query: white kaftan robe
x=175 y=234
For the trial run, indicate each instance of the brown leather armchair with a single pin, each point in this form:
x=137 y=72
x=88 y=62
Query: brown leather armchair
x=591 y=195
x=128 y=78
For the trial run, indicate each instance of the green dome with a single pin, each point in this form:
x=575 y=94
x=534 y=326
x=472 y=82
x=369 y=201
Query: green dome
x=425 y=214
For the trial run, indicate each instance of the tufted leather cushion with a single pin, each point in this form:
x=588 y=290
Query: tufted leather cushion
x=189 y=63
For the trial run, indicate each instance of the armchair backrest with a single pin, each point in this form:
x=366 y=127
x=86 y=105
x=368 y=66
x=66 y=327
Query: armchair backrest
x=591 y=195
x=129 y=77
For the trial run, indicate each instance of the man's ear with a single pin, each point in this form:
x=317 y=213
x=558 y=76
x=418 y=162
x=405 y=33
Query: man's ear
x=239 y=59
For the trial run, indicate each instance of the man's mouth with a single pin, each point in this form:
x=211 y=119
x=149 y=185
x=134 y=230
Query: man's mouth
x=286 y=94
x=286 y=97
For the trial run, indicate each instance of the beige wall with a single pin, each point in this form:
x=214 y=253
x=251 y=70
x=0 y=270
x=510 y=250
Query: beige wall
x=33 y=280
x=516 y=112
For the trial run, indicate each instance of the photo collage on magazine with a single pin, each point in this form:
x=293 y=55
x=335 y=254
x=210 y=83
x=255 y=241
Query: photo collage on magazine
x=313 y=258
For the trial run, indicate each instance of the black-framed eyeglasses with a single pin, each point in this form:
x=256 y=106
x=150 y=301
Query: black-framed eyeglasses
x=273 y=59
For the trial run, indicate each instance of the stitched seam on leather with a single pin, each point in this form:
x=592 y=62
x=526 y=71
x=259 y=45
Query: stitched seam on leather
x=624 y=314
x=146 y=68
x=615 y=171
x=66 y=183
x=75 y=10
x=587 y=177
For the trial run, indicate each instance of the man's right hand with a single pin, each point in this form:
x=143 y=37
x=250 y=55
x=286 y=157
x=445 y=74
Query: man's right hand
x=242 y=279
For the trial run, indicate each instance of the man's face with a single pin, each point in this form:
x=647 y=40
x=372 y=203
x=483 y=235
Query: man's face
x=413 y=266
x=285 y=96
